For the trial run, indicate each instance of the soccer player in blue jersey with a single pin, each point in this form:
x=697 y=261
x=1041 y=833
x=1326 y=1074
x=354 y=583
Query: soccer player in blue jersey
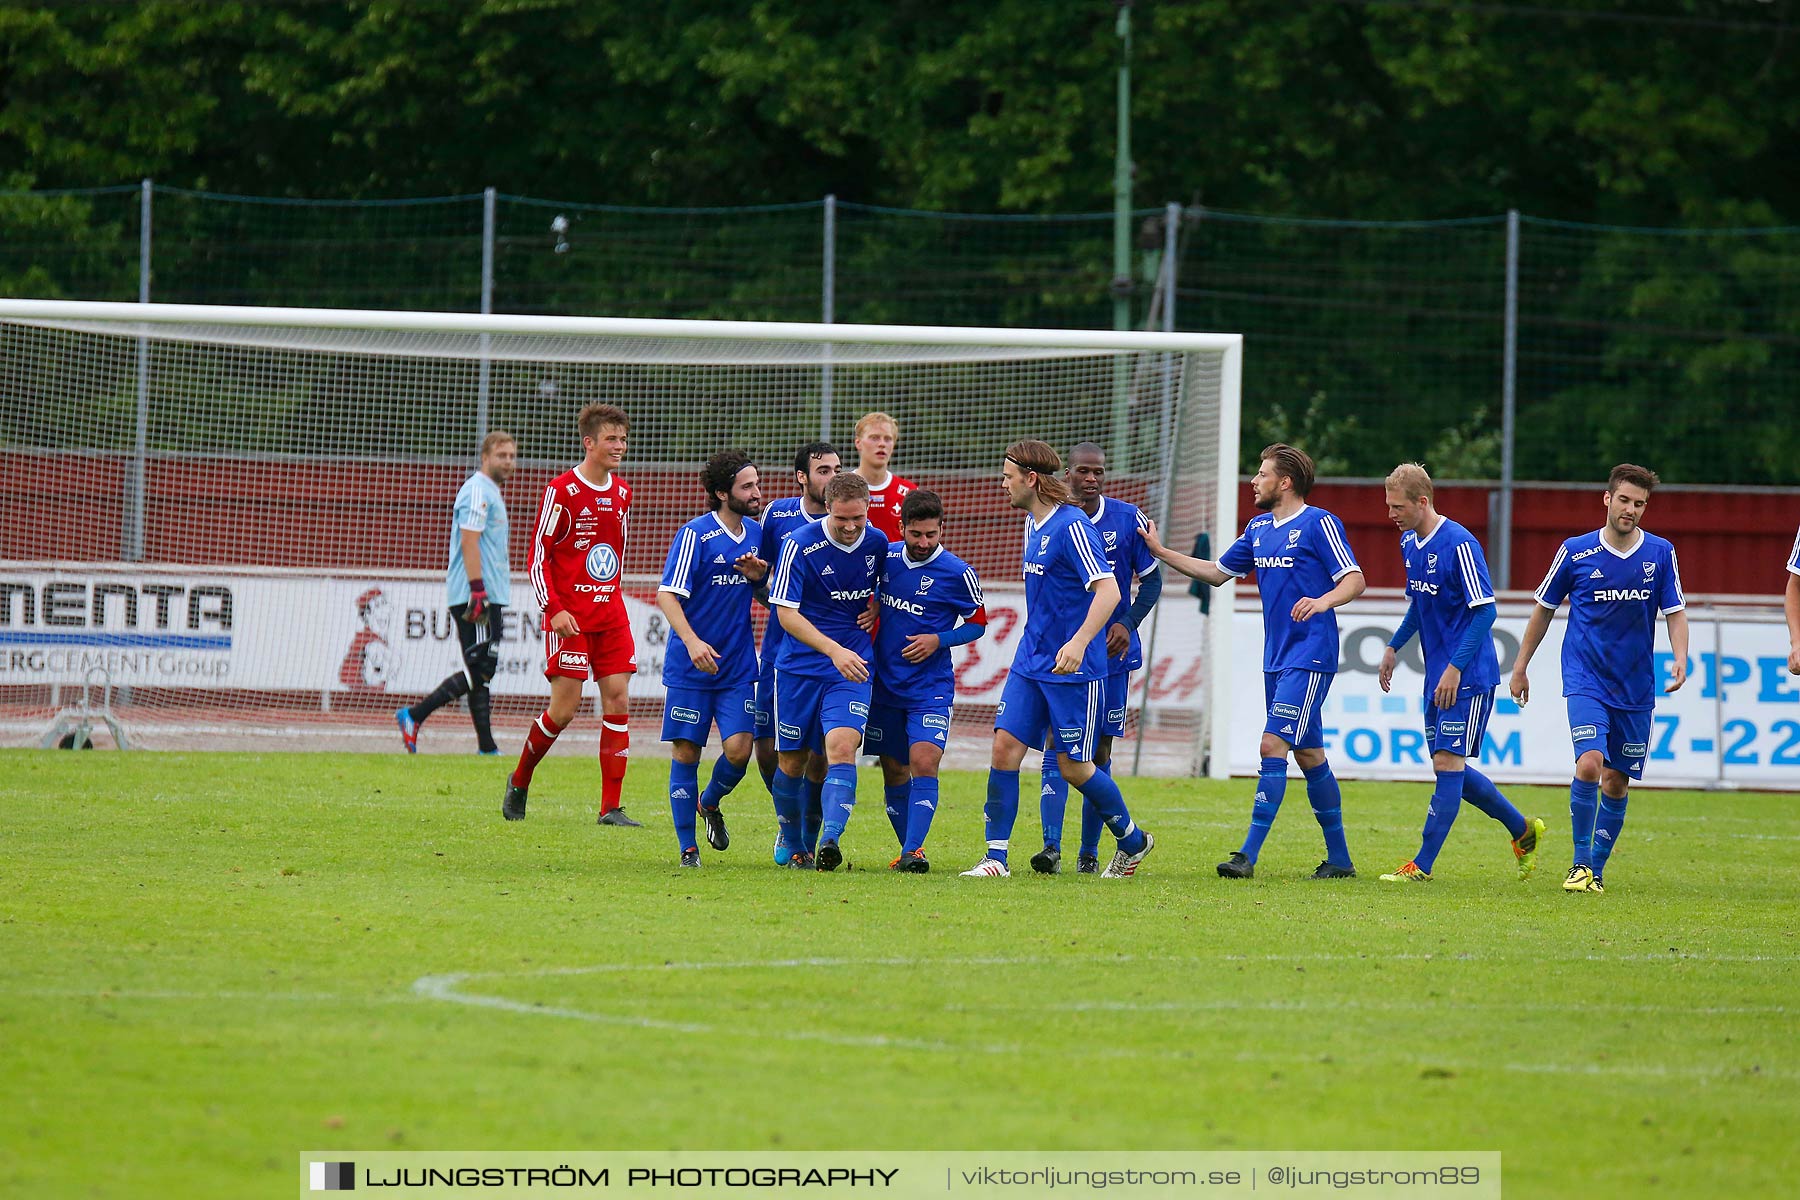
x=1121 y=527
x=1616 y=580
x=479 y=581
x=827 y=578
x=1450 y=605
x=1054 y=693
x=930 y=602
x=814 y=466
x=709 y=668
x=1304 y=570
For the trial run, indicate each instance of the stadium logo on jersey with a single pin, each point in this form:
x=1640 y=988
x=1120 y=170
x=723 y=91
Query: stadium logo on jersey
x=858 y=709
x=1293 y=538
x=687 y=716
x=935 y=721
x=1584 y=554
x=1284 y=710
x=1583 y=733
x=603 y=563
x=788 y=731
x=1635 y=749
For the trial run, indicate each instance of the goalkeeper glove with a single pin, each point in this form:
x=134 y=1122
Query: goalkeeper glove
x=477 y=602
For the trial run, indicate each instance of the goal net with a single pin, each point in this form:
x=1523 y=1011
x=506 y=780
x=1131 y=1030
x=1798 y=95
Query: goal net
x=228 y=527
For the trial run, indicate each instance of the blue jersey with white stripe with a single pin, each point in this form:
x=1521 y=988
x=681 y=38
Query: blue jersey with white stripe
x=1303 y=554
x=480 y=509
x=1609 y=646
x=1794 y=556
x=1063 y=558
x=778 y=520
x=920 y=597
x=1121 y=527
x=715 y=596
x=1447 y=580
x=831 y=585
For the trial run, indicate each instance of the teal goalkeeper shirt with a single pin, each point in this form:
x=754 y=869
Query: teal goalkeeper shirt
x=481 y=509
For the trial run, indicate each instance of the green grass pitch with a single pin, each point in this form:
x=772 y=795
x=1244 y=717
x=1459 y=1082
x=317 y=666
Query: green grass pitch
x=211 y=962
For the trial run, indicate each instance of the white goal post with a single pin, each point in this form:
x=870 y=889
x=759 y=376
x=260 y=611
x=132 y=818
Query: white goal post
x=227 y=526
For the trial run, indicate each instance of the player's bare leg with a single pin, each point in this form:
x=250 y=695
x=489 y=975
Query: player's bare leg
x=615 y=748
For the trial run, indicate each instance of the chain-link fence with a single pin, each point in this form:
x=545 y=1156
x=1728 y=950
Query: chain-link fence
x=1366 y=341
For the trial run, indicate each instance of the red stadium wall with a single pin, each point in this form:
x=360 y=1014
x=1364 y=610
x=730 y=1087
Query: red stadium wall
x=396 y=515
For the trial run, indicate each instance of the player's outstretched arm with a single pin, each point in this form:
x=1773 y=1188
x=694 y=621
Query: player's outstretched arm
x=1535 y=629
x=849 y=664
x=1792 y=607
x=1678 y=645
x=705 y=658
x=1105 y=594
x=1194 y=568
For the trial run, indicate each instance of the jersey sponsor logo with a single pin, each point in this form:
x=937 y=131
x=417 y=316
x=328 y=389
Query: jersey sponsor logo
x=583 y=543
x=1452 y=728
x=1001 y=709
x=858 y=709
x=573 y=659
x=1584 y=733
x=1617 y=594
x=1635 y=749
x=750 y=707
x=1115 y=716
x=1069 y=736
x=935 y=721
x=1419 y=585
x=1591 y=550
x=603 y=563
x=1266 y=561
x=1284 y=710
x=1033 y=568
x=572 y=489
x=859 y=594
x=788 y=731
x=687 y=716
x=917 y=610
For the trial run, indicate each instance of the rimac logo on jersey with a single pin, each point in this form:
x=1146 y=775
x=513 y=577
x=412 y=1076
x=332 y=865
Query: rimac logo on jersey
x=603 y=563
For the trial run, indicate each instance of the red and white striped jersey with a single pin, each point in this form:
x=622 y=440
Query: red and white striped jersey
x=578 y=550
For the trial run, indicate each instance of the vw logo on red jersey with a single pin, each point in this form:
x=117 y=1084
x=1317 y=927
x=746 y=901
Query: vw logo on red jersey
x=603 y=563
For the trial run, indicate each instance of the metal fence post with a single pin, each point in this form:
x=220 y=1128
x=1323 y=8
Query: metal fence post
x=136 y=483
x=1166 y=428
x=827 y=314
x=1509 y=382
x=487 y=306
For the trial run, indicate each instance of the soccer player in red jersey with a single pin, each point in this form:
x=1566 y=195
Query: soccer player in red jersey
x=578 y=571
x=876 y=436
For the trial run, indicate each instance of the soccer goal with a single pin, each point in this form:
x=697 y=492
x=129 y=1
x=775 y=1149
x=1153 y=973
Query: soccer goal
x=228 y=527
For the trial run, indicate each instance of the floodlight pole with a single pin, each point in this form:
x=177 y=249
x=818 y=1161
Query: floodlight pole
x=136 y=483
x=1119 y=447
x=1509 y=387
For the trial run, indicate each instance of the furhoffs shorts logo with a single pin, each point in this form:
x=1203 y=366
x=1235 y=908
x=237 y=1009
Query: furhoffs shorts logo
x=333 y=1177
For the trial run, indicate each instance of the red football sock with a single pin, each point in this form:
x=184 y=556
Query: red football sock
x=538 y=740
x=615 y=752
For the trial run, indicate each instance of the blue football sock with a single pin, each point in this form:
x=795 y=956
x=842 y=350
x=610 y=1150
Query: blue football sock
x=787 y=810
x=898 y=795
x=837 y=798
x=811 y=812
x=1480 y=791
x=1101 y=792
x=684 y=786
x=1445 y=801
x=1607 y=824
x=768 y=777
x=1271 y=786
x=920 y=811
x=1583 y=801
x=1001 y=810
x=1053 y=800
x=1091 y=823
x=1328 y=809
x=725 y=777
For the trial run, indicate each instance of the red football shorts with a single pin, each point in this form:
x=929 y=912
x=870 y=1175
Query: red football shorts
x=610 y=652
